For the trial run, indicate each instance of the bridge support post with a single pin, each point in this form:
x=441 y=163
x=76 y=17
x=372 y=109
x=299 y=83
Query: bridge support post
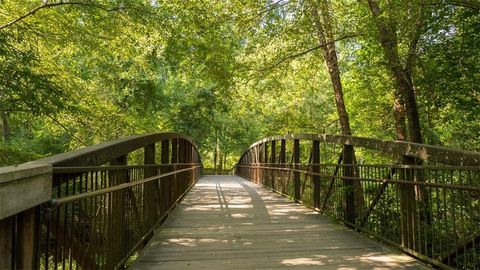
x=173 y=179
x=316 y=169
x=266 y=172
x=283 y=174
x=150 y=189
x=296 y=174
x=165 y=182
x=117 y=222
x=408 y=216
x=273 y=173
x=348 y=173
x=180 y=181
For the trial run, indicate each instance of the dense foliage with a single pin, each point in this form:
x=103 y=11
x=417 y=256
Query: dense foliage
x=78 y=72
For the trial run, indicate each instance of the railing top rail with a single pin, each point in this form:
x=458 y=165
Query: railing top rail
x=424 y=152
x=104 y=152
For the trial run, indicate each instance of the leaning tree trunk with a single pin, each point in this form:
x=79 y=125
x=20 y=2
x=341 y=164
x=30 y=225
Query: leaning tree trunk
x=412 y=198
x=402 y=77
x=323 y=24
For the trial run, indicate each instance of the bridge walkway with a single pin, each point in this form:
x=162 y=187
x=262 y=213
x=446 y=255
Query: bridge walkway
x=226 y=222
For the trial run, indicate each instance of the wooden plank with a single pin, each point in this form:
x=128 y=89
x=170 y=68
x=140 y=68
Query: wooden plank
x=224 y=223
x=33 y=182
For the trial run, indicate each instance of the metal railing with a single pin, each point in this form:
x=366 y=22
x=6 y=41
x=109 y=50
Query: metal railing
x=422 y=199
x=105 y=202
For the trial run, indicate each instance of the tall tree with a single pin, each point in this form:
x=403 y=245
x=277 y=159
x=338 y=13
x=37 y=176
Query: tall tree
x=322 y=17
x=401 y=72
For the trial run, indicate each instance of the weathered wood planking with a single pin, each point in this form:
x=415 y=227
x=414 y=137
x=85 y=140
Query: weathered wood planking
x=23 y=187
x=226 y=222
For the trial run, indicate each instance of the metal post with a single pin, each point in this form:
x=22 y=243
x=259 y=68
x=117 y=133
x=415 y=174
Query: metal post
x=296 y=175
x=348 y=170
x=273 y=173
x=150 y=189
x=408 y=217
x=316 y=169
x=116 y=225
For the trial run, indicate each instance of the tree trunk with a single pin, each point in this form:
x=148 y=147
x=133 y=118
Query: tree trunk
x=215 y=152
x=402 y=77
x=399 y=114
x=323 y=23
x=6 y=131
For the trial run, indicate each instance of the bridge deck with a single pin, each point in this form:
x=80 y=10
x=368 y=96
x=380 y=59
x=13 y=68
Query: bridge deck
x=226 y=222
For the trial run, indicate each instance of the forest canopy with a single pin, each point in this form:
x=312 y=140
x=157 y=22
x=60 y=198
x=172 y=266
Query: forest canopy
x=79 y=72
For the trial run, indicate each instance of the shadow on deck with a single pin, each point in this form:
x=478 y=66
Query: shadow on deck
x=226 y=222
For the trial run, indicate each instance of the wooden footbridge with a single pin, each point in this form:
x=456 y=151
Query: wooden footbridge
x=313 y=202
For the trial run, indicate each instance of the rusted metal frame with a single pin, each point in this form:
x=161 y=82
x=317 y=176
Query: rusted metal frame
x=412 y=183
x=377 y=198
x=395 y=148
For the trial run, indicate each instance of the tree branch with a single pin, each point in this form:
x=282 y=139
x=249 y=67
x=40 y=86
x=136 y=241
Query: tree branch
x=66 y=129
x=293 y=56
x=49 y=5
x=473 y=4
